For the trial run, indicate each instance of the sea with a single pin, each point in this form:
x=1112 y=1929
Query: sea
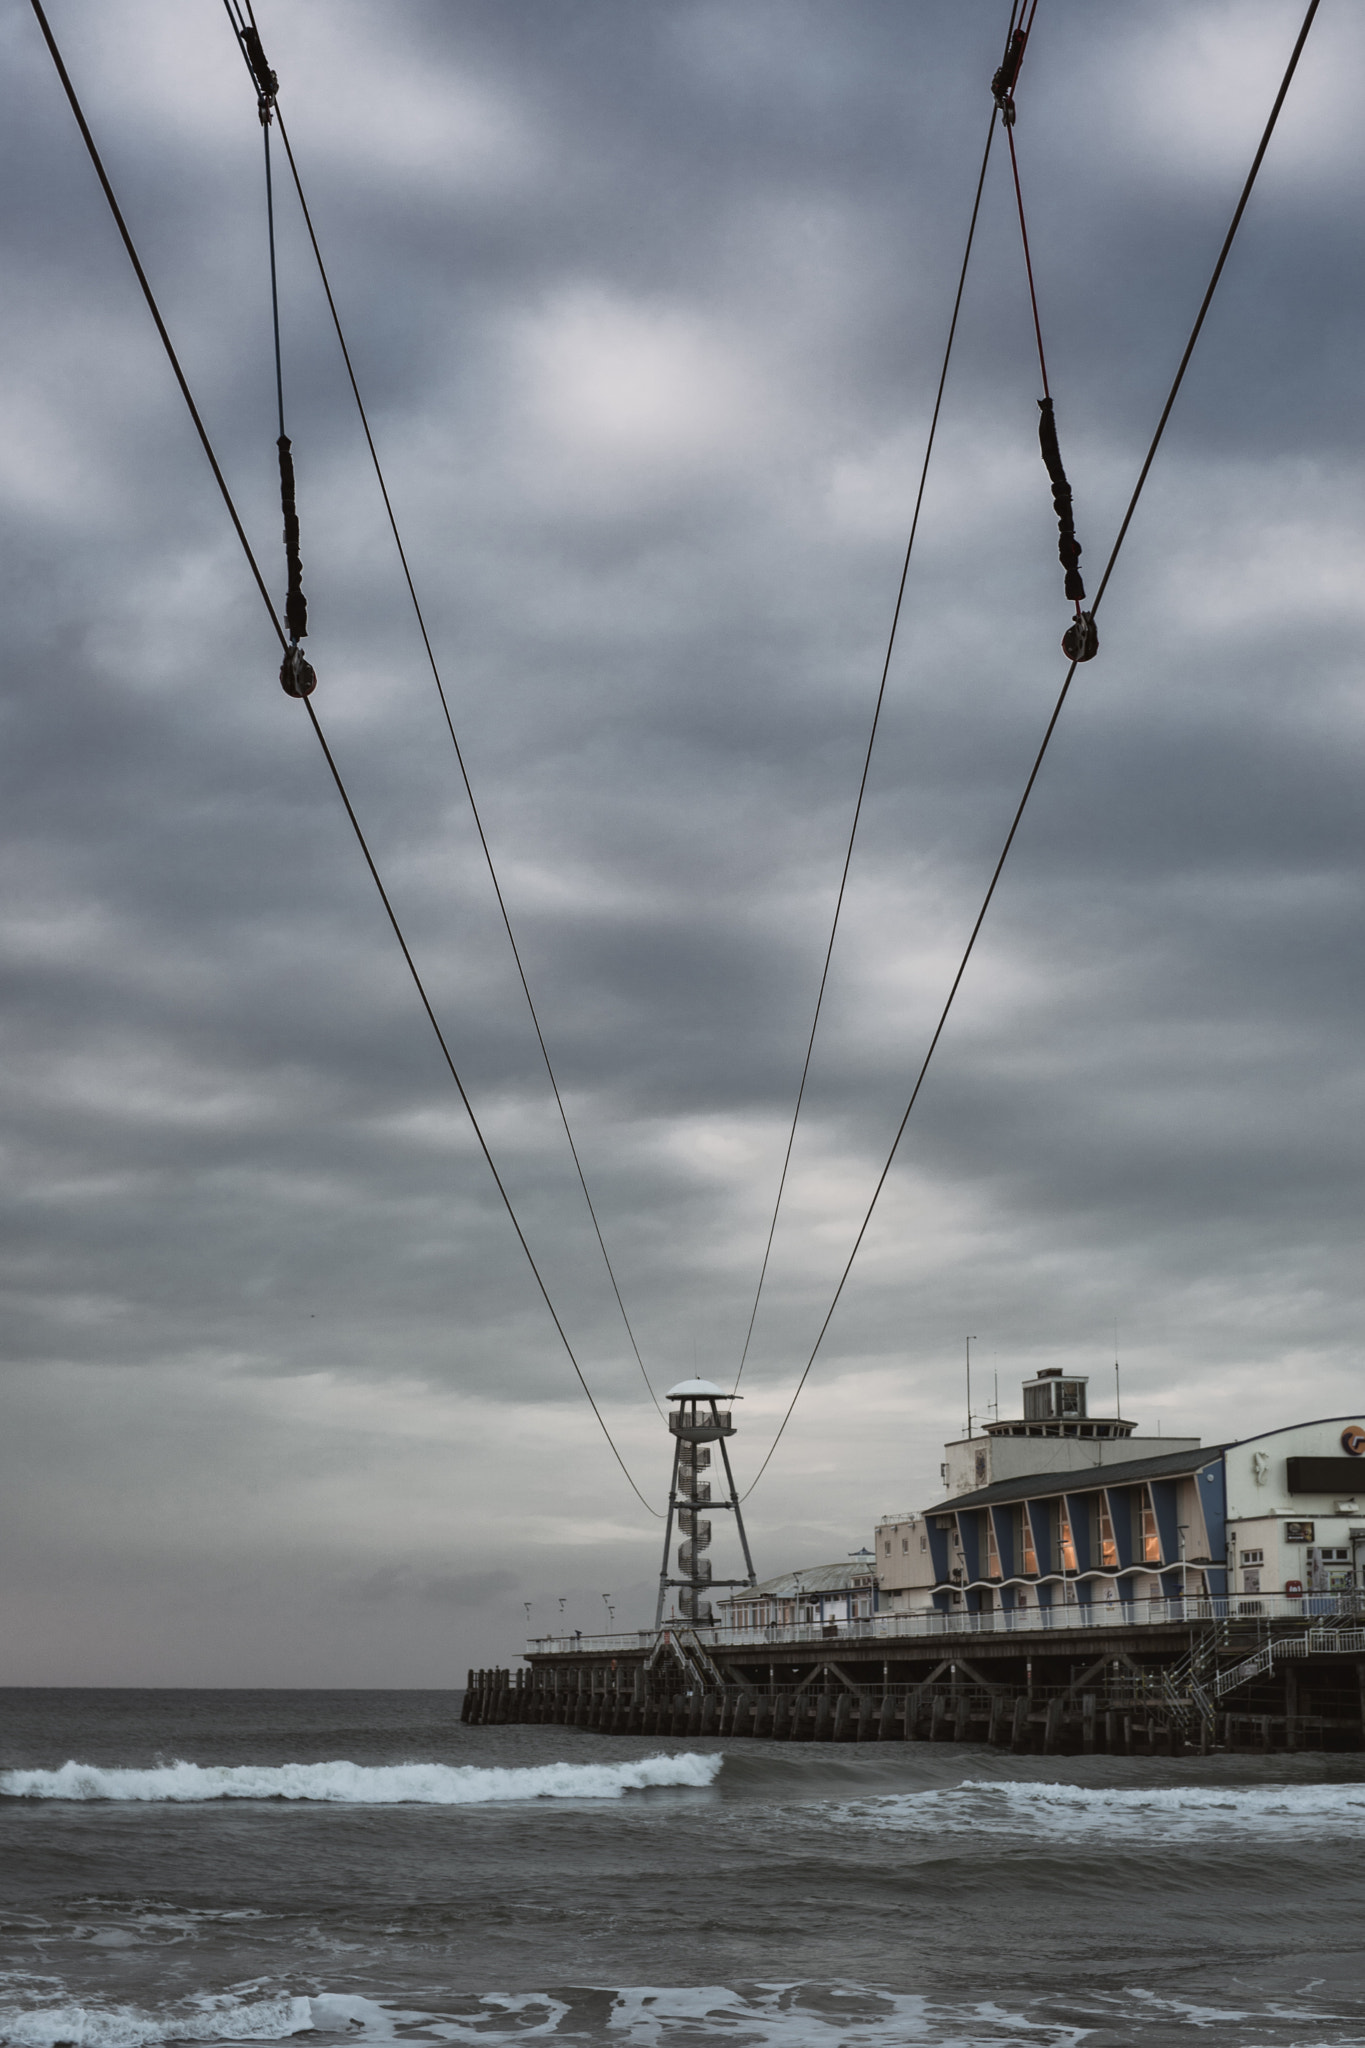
x=360 y=1867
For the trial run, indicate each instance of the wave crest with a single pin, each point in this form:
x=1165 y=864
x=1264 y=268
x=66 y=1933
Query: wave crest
x=350 y=1784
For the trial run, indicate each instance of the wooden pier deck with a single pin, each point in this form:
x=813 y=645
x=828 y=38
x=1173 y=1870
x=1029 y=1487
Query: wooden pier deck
x=1166 y=1690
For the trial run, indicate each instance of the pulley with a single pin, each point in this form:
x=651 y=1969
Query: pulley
x=298 y=678
x=1080 y=642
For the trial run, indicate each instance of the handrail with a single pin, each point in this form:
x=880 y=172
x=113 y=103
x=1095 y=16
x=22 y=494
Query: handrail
x=1254 y=1611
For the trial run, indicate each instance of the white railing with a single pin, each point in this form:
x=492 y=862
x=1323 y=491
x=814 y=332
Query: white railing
x=1031 y=1620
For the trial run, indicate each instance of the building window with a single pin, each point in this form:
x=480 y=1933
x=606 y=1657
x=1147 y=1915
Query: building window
x=1253 y=1557
x=905 y=1545
x=1151 y=1535
x=993 y=1570
x=1065 y=1541
x=1109 y=1550
x=924 y=1542
x=888 y=1549
x=1251 y=1582
x=1026 y=1543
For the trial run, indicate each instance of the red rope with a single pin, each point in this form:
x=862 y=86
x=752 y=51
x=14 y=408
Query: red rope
x=1028 y=261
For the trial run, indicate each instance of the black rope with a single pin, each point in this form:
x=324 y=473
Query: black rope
x=1052 y=722
x=871 y=742
x=188 y=396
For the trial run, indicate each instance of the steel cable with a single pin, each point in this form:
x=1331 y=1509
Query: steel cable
x=1052 y=722
x=411 y=964
x=239 y=23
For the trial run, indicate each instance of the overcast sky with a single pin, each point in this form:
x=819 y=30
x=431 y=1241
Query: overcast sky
x=647 y=299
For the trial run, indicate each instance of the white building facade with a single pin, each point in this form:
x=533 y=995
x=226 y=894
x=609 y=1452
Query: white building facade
x=1061 y=1510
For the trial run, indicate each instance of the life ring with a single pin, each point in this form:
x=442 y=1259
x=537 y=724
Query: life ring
x=1293 y=1588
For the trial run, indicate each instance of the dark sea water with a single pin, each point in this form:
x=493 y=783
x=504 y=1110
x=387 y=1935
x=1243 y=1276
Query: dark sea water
x=255 y=1866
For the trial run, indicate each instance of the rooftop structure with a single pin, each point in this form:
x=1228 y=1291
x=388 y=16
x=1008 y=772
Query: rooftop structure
x=1055 y=1433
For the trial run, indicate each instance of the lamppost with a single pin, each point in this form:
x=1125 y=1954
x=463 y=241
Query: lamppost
x=606 y=1602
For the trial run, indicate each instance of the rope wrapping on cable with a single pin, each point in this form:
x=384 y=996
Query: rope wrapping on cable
x=296 y=674
x=1068 y=547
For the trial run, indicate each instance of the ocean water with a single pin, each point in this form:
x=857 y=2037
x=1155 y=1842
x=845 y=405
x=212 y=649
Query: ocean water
x=264 y=1866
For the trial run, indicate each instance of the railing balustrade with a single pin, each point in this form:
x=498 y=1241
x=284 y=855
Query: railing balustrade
x=1030 y=1620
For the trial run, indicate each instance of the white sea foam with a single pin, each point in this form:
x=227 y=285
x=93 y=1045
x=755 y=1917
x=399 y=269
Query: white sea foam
x=759 y=2015
x=126 y=2026
x=349 y=1784
x=1153 y=1813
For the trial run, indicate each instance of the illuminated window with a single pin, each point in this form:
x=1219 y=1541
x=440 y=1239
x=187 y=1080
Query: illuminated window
x=1065 y=1542
x=1151 y=1535
x=993 y=1570
x=1026 y=1543
x=1109 y=1550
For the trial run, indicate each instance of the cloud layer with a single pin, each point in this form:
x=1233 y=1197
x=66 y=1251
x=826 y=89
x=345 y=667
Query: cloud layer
x=647 y=304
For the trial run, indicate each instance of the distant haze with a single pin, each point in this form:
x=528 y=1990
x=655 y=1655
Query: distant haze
x=648 y=303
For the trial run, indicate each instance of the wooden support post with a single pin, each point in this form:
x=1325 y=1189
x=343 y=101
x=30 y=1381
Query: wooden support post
x=1113 y=1731
x=1088 y=1723
x=763 y=1715
x=867 y=1718
x=962 y=1719
x=886 y=1720
x=995 y=1725
x=1291 y=1707
x=843 y=1709
x=1052 y=1728
x=822 y=1718
x=937 y=1717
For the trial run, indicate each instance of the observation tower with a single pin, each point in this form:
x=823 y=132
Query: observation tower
x=700 y=1418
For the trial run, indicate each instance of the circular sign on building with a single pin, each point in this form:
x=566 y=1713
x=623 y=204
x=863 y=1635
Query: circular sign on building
x=1353 y=1440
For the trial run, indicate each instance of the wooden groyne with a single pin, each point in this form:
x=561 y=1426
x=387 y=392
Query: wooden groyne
x=1075 y=1692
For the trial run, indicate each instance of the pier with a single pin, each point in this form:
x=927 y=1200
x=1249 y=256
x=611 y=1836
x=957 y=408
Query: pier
x=1170 y=1683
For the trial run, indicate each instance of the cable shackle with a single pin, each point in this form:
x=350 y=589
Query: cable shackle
x=1002 y=85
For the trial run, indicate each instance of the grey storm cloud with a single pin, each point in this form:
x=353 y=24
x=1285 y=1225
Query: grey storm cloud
x=647 y=303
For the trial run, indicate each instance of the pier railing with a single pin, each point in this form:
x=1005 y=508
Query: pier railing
x=1254 y=1609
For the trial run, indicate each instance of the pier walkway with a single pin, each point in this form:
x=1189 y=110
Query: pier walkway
x=1164 y=1676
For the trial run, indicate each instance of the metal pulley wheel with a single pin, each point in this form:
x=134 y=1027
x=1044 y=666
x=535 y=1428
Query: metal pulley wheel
x=1081 y=640
x=297 y=676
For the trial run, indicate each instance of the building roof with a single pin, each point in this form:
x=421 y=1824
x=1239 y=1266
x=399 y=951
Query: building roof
x=818 y=1578
x=701 y=1390
x=1123 y=1472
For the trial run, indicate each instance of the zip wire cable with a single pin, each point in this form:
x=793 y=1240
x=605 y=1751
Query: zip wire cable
x=244 y=28
x=1052 y=722
x=219 y=478
x=871 y=742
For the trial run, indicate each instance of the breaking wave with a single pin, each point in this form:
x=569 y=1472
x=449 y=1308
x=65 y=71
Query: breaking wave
x=809 y=2015
x=1033 y=1810
x=348 y=1784
x=125 y=2026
